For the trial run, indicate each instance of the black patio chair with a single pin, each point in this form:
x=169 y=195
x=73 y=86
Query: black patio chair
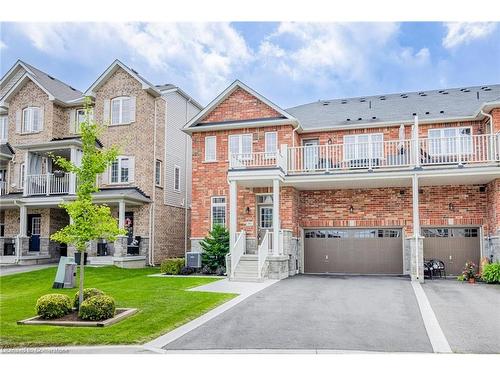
x=438 y=268
x=428 y=268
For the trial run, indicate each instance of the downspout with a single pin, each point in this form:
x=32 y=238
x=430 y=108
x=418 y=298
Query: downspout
x=490 y=117
x=152 y=207
x=186 y=181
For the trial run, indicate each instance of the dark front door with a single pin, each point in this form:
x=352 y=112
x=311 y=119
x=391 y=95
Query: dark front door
x=129 y=226
x=34 y=226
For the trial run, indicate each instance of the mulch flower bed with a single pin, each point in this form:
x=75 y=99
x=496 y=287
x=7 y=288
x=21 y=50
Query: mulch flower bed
x=72 y=319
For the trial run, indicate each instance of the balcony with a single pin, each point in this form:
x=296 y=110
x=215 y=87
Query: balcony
x=48 y=184
x=369 y=156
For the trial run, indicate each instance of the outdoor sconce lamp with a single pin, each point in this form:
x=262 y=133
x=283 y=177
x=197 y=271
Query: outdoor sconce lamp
x=330 y=141
x=451 y=207
x=351 y=209
x=247 y=210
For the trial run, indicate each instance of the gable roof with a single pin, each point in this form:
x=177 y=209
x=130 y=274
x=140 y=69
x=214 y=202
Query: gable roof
x=117 y=64
x=168 y=88
x=195 y=123
x=56 y=89
x=431 y=106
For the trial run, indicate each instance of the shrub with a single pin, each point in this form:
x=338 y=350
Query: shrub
x=87 y=293
x=172 y=266
x=98 y=307
x=491 y=273
x=469 y=271
x=186 y=271
x=52 y=306
x=215 y=247
x=206 y=270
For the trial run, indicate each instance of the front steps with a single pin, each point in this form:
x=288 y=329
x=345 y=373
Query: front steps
x=246 y=270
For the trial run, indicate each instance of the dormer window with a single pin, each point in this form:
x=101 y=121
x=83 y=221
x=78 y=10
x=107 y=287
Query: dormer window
x=32 y=121
x=122 y=110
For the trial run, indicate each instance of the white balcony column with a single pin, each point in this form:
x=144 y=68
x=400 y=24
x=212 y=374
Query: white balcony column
x=276 y=217
x=417 y=256
x=72 y=176
x=26 y=171
x=121 y=214
x=233 y=212
x=284 y=158
x=415 y=144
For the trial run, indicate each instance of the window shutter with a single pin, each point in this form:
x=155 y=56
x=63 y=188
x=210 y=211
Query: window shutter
x=72 y=123
x=41 y=119
x=19 y=115
x=107 y=104
x=131 y=169
x=132 y=109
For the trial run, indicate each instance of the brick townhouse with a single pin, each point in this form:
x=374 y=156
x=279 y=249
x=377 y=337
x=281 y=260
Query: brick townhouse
x=367 y=185
x=148 y=186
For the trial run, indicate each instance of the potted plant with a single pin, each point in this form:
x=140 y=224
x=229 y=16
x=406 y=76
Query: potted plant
x=469 y=272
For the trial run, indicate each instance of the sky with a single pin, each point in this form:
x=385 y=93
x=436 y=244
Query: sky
x=289 y=63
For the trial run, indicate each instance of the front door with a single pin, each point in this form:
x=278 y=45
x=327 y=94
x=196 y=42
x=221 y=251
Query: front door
x=310 y=153
x=34 y=226
x=265 y=222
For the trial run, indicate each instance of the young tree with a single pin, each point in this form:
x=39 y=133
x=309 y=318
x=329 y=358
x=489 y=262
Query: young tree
x=215 y=247
x=88 y=221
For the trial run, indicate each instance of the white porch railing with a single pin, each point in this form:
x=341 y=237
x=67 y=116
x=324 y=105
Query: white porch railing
x=254 y=160
x=3 y=188
x=47 y=184
x=262 y=253
x=237 y=251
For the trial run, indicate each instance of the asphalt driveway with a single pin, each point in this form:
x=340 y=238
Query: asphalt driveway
x=469 y=314
x=319 y=312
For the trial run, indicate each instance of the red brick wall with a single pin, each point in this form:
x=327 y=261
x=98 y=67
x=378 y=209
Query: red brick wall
x=240 y=105
x=496 y=119
x=493 y=206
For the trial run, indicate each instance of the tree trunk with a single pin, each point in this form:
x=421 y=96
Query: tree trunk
x=82 y=265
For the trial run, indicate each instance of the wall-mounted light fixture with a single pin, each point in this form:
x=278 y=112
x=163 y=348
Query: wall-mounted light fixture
x=330 y=141
x=247 y=210
x=351 y=209
x=451 y=207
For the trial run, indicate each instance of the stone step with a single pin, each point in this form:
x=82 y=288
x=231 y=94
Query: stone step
x=247 y=279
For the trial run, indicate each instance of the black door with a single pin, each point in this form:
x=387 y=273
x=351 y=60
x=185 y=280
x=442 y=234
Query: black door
x=34 y=225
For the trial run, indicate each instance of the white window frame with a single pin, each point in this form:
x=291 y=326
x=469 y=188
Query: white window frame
x=358 y=150
x=270 y=154
x=247 y=156
x=208 y=158
x=4 y=128
x=77 y=129
x=218 y=204
x=120 y=100
x=177 y=178
x=22 y=174
x=120 y=181
x=158 y=172
x=442 y=142
x=29 y=126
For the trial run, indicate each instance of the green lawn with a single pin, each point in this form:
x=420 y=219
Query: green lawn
x=163 y=304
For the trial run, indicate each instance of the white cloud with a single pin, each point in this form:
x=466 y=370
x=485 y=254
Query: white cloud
x=2 y=45
x=204 y=54
x=464 y=32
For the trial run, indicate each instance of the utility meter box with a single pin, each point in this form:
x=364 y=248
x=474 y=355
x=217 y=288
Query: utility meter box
x=66 y=273
x=70 y=275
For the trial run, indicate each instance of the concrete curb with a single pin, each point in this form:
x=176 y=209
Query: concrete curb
x=434 y=332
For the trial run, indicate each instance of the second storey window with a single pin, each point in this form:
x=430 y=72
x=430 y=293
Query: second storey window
x=218 y=211
x=4 y=129
x=177 y=178
x=271 y=146
x=158 y=172
x=122 y=110
x=450 y=141
x=363 y=146
x=32 y=120
x=122 y=170
x=211 y=148
x=241 y=144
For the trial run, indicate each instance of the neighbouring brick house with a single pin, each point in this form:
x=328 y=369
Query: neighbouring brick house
x=369 y=185
x=148 y=187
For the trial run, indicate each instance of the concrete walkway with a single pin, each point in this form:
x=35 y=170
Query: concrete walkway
x=13 y=269
x=108 y=349
x=318 y=313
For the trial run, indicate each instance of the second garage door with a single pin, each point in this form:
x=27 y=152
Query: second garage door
x=358 y=251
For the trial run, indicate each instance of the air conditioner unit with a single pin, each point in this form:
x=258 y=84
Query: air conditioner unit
x=193 y=259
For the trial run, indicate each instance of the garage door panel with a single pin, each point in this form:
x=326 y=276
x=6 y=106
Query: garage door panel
x=353 y=255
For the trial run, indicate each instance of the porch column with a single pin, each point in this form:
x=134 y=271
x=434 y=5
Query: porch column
x=415 y=143
x=233 y=212
x=23 y=219
x=27 y=160
x=276 y=217
x=121 y=214
x=72 y=176
x=417 y=256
